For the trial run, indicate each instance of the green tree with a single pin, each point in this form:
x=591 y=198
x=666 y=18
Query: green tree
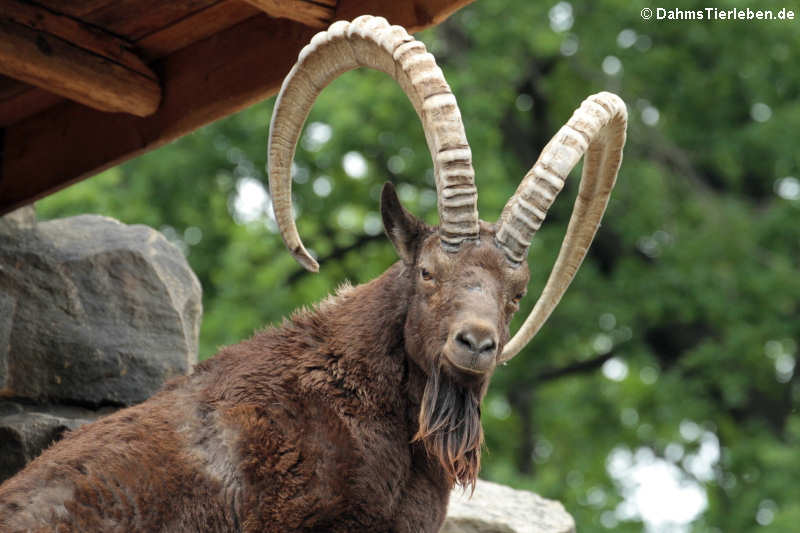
x=672 y=356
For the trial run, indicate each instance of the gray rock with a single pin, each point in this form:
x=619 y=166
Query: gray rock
x=25 y=431
x=498 y=509
x=23 y=218
x=93 y=312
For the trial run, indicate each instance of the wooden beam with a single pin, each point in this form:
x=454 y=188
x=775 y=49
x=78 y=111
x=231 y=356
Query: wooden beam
x=76 y=70
x=9 y=87
x=133 y=19
x=195 y=27
x=203 y=82
x=27 y=102
x=90 y=38
x=74 y=8
x=311 y=13
x=413 y=16
x=19 y=100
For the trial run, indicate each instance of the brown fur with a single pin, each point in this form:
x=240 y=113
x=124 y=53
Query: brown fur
x=347 y=417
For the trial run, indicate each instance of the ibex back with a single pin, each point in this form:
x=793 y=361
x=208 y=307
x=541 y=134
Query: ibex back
x=362 y=413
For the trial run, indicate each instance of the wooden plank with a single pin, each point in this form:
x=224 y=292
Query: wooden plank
x=74 y=8
x=73 y=31
x=195 y=27
x=9 y=87
x=413 y=16
x=134 y=19
x=68 y=70
x=203 y=82
x=29 y=101
x=306 y=12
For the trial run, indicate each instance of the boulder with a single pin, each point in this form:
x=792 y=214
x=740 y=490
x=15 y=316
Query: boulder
x=496 y=508
x=92 y=312
x=26 y=430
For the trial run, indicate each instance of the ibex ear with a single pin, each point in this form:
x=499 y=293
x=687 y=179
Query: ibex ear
x=403 y=229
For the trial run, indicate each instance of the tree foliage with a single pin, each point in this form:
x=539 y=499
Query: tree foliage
x=674 y=350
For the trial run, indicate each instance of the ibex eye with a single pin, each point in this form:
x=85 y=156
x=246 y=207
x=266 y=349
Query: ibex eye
x=517 y=298
x=426 y=275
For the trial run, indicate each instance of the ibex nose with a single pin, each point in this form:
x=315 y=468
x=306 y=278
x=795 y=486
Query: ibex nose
x=469 y=340
x=474 y=346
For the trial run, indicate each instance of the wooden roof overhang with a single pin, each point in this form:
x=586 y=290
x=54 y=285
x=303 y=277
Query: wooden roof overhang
x=88 y=84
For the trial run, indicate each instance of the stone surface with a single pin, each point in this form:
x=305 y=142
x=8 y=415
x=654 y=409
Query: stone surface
x=25 y=431
x=499 y=509
x=92 y=311
x=22 y=218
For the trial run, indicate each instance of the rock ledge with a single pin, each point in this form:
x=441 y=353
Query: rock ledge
x=499 y=509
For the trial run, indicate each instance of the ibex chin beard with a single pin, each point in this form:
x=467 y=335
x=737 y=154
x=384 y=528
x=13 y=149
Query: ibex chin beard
x=450 y=425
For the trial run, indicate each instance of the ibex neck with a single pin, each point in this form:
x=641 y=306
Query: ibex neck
x=362 y=327
x=368 y=318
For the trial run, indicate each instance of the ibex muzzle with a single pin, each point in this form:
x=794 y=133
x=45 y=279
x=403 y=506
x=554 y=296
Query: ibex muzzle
x=474 y=336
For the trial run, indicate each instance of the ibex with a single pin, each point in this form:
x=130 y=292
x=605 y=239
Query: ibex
x=362 y=413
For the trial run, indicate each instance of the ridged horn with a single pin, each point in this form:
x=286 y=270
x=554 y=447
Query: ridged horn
x=371 y=42
x=597 y=128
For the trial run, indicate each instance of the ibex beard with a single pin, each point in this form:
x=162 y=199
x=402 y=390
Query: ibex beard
x=450 y=425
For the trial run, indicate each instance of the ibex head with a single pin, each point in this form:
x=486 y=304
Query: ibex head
x=461 y=301
x=466 y=276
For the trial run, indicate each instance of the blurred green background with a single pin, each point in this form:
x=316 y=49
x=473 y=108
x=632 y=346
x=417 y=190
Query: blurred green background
x=662 y=394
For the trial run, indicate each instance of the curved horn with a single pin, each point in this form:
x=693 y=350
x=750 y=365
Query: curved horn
x=371 y=42
x=597 y=128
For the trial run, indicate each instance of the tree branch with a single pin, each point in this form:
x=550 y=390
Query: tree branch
x=581 y=367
